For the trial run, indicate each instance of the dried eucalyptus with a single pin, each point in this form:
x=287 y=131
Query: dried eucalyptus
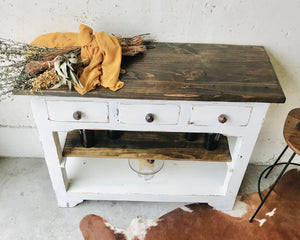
x=64 y=67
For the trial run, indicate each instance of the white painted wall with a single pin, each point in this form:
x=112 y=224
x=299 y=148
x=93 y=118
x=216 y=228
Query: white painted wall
x=271 y=23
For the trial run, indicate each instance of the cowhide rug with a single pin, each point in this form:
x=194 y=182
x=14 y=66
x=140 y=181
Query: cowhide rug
x=279 y=218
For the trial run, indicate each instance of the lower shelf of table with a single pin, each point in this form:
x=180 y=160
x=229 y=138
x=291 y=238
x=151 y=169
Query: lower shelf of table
x=92 y=177
x=146 y=145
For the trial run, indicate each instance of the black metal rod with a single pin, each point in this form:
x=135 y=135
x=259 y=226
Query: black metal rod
x=286 y=147
x=266 y=169
x=271 y=189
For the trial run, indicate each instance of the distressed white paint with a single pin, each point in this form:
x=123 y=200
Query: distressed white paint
x=271 y=23
x=177 y=181
x=243 y=148
x=235 y=116
x=90 y=111
x=52 y=153
x=136 y=113
x=75 y=180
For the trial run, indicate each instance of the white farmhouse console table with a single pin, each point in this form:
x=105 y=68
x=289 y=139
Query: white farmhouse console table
x=185 y=87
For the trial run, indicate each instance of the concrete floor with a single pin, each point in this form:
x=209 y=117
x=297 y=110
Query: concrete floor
x=28 y=208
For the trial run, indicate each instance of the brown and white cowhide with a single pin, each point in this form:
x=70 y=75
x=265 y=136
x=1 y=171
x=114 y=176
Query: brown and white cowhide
x=279 y=218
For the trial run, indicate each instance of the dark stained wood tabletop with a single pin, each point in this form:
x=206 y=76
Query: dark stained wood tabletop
x=198 y=72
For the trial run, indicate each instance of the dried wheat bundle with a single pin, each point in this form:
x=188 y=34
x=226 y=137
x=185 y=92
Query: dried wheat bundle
x=44 y=81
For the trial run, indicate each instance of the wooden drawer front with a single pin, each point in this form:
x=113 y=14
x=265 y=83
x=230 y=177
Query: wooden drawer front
x=90 y=111
x=208 y=115
x=136 y=113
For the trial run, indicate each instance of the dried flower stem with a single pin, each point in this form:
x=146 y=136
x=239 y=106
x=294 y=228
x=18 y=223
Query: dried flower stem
x=13 y=58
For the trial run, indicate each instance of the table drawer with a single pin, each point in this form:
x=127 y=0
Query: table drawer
x=234 y=116
x=164 y=114
x=85 y=111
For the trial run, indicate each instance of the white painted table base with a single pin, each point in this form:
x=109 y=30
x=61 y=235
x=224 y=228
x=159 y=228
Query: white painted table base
x=216 y=183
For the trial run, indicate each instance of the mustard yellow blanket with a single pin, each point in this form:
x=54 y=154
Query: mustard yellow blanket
x=102 y=52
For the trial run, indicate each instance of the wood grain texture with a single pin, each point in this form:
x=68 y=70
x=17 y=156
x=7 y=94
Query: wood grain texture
x=198 y=72
x=146 y=145
x=290 y=131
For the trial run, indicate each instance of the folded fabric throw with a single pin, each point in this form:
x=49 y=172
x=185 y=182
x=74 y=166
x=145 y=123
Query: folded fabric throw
x=102 y=52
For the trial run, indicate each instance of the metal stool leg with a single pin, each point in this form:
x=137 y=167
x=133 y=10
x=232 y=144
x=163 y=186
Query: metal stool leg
x=271 y=189
x=277 y=160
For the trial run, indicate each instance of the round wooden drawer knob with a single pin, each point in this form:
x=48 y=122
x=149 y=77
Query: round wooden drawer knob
x=222 y=118
x=77 y=115
x=149 y=117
